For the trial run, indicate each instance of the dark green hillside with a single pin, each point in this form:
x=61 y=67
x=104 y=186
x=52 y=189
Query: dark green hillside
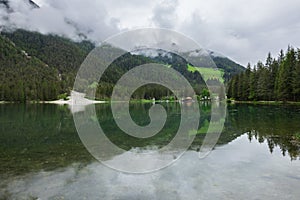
x=54 y=61
x=129 y=61
x=23 y=77
x=229 y=67
x=59 y=52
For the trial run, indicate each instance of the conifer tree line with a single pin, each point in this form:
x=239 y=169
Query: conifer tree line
x=276 y=80
x=37 y=67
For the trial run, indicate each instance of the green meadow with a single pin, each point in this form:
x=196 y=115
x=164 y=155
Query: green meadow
x=208 y=73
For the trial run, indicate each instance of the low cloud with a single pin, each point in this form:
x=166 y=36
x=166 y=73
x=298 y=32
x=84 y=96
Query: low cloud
x=243 y=30
x=76 y=19
x=164 y=14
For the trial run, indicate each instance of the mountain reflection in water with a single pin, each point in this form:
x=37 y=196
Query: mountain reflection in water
x=257 y=156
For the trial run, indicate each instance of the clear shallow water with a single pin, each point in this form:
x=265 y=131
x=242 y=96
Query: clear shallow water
x=257 y=157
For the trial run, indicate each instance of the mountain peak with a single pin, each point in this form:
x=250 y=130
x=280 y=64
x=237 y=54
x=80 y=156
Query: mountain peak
x=6 y=4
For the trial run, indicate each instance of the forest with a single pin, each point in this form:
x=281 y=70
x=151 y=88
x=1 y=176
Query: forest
x=37 y=67
x=25 y=78
x=278 y=79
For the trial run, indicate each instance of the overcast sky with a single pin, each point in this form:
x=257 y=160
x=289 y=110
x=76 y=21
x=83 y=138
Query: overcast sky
x=243 y=30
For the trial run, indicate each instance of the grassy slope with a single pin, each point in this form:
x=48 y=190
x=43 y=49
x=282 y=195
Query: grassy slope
x=208 y=73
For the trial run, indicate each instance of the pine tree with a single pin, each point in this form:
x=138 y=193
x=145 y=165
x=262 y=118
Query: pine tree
x=246 y=82
x=269 y=60
x=253 y=85
x=240 y=86
x=262 y=81
x=278 y=79
x=232 y=89
x=296 y=78
x=286 y=76
x=274 y=67
x=281 y=56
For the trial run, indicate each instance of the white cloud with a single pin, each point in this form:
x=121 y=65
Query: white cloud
x=64 y=18
x=164 y=14
x=243 y=30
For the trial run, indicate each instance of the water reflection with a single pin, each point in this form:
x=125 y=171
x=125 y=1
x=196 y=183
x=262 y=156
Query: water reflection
x=44 y=137
x=36 y=137
x=239 y=170
x=42 y=156
x=278 y=126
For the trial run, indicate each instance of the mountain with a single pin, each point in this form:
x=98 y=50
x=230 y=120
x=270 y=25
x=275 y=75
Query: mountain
x=5 y=3
x=53 y=61
x=33 y=4
x=56 y=51
x=228 y=67
x=60 y=53
x=24 y=77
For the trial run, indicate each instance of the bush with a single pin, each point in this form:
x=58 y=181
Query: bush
x=63 y=96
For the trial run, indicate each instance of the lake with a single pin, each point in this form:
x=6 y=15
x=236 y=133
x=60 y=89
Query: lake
x=256 y=156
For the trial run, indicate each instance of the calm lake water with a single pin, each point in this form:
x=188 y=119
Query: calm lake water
x=256 y=157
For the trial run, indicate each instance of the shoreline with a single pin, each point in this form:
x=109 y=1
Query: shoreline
x=88 y=101
x=266 y=102
x=57 y=102
x=70 y=102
